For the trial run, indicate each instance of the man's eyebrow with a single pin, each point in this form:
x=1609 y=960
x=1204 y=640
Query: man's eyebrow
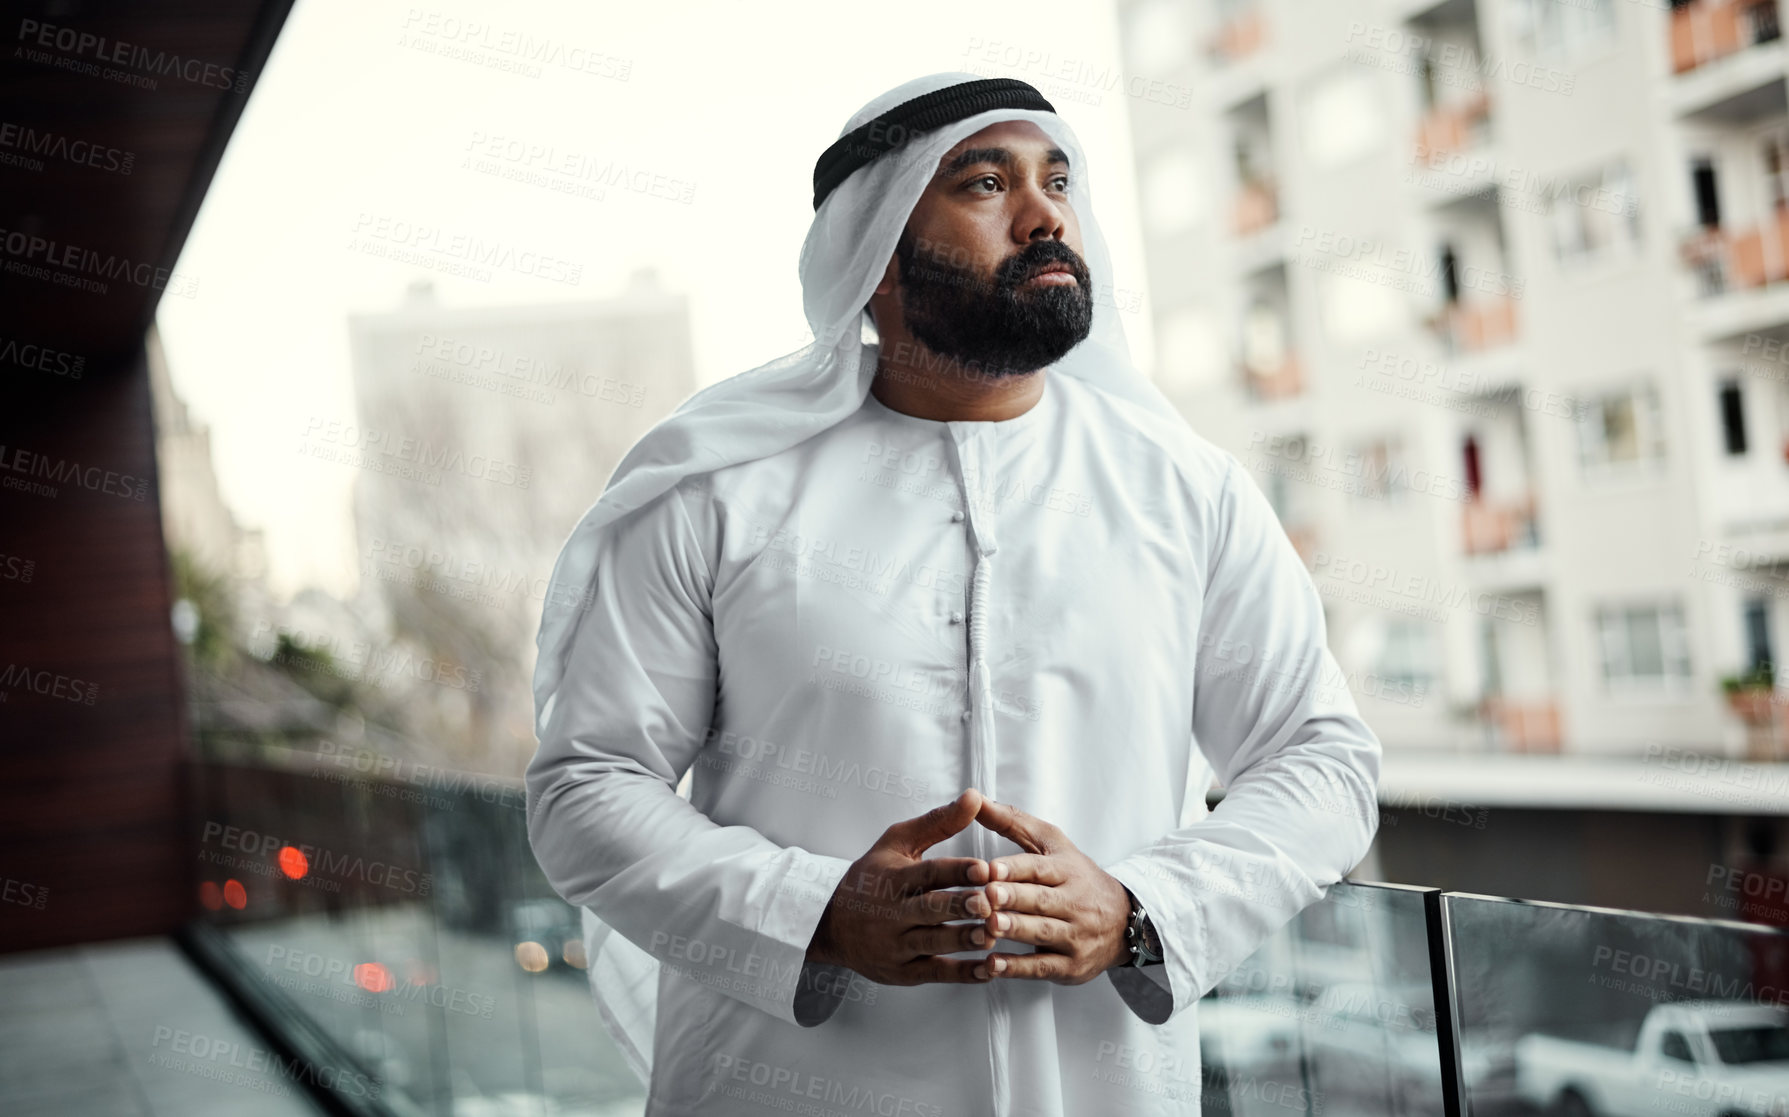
x=997 y=156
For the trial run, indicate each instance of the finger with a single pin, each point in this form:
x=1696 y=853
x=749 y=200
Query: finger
x=913 y=836
x=1032 y=967
x=938 y=907
x=1032 y=867
x=1010 y=822
x=1035 y=899
x=948 y=970
x=1039 y=930
x=943 y=872
x=947 y=939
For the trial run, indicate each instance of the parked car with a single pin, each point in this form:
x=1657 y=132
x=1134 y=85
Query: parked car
x=1691 y=1059
x=547 y=934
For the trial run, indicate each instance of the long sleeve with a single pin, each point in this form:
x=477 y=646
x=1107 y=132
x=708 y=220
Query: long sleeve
x=1273 y=714
x=722 y=905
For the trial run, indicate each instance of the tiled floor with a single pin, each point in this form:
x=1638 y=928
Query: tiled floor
x=129 y=1028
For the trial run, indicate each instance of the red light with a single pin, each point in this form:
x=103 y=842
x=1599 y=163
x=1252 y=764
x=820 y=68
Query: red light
x=293 y=862
x=372 y=977
x=210 y=896
x=235 y=895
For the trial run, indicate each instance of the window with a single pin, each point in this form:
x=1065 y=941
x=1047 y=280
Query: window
x=1708 y=198
x=1733 y=418
x=1594 y=214
x=1450 y=274
x=1263 y=339
x=1644 y=646
x=1559 y=30
x=1408 y=657
x=1776 y=171
x=1672 y=1045
x=1757 y=623
x=1620 y=428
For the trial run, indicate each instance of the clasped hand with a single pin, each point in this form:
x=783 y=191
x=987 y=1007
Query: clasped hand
x=895 y=913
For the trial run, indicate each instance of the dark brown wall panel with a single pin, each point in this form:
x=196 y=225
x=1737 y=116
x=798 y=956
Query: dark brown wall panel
x=91 y=803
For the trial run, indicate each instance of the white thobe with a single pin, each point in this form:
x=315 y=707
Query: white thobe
x=1064 y=609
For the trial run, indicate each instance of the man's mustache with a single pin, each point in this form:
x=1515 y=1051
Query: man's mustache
x=1023 y=264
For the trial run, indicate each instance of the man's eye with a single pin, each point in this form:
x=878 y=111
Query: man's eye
x=984 y=178
x=1063 y=179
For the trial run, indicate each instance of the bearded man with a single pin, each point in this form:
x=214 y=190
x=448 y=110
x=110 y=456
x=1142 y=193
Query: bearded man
x=977 y=561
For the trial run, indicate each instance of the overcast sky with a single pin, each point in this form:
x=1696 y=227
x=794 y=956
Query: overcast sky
x=367 y=111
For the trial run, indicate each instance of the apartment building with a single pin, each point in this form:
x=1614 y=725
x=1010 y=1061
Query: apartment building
x=1490 y=296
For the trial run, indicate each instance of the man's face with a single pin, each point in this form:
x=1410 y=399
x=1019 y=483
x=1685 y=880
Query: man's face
x=993 y=217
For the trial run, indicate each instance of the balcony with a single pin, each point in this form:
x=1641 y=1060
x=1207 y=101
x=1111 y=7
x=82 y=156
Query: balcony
x=1706 y=30
x=1735 y=261
x=1764 y=711
x=1239 y=35
x=1455 y=127
x=1473 y=326
x=1256 y=207
x=1496 y=526
x=1305 y=541
x=1379 y=998
x=1522 y=725
x=1283 y=381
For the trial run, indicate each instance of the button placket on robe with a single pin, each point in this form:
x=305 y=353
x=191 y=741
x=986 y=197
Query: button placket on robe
x=973 y=448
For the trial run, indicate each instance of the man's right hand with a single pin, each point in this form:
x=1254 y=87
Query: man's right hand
x=889 y=918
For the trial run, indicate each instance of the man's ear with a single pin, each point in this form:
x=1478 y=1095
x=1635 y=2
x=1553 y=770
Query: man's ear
x=891 y=276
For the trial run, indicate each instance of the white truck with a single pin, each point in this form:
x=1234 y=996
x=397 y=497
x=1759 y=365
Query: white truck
x=1691 y=1059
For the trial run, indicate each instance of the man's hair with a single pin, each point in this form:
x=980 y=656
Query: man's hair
x=903 y=252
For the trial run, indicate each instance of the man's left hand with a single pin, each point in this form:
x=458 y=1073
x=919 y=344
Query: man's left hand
x=1054 y=897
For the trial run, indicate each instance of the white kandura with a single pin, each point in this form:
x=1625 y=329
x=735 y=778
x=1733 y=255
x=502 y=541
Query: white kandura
x=794 y=601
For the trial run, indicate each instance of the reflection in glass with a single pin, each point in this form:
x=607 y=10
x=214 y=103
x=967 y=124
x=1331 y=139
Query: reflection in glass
x=1620 y=1014
x=1334 y=1015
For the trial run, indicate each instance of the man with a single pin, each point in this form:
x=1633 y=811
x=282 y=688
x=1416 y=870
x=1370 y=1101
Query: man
x=980 y=562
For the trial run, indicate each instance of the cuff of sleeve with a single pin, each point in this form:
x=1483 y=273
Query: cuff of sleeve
x=1158 y=993
x=821 y=990
x=801 y=992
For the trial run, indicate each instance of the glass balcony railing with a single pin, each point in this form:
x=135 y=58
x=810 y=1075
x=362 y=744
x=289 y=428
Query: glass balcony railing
x=400 y=928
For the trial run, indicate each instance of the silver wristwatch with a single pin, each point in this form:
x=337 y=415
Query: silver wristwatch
x=1140 y=936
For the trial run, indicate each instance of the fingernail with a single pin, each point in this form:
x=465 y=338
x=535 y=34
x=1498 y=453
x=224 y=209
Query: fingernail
x=978 y=905
x=998 y=893
x=1002 y=921
x=981 y=971
x=999 y=965
x=979 y=937
x=999 y=870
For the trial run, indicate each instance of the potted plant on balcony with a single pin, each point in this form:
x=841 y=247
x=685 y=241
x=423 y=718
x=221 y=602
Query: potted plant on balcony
x=1749 y=694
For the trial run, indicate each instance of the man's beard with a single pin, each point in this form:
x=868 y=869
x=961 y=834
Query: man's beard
x=991 y=326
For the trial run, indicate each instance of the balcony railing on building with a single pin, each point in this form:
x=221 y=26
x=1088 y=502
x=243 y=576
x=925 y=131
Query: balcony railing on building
x=1257 y=207
x=1282 y=381
x=1763 y=710
x=1239 y=35
x=1474 y=325
x=1304 y=541
x=459 y=987
x=1705 y=30
x=1522 y=725
x=1497 y=526
x=1723 y=260
x=1459 y=126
